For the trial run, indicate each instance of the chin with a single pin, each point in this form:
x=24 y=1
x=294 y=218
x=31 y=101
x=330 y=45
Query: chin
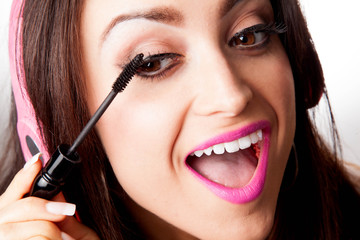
x=238 y=230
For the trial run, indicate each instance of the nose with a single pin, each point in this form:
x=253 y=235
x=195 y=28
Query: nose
x=221 y=89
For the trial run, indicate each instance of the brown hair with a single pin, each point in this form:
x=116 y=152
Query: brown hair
x=320 y=204
x=51 y=40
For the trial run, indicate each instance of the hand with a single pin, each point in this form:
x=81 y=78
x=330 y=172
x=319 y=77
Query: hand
x=36 y=218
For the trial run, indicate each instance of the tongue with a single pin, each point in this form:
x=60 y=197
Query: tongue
x=229 y=169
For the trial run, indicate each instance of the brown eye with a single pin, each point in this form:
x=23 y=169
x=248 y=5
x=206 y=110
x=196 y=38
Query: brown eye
x=150 y=66
x=246 y=40
x=157 y=65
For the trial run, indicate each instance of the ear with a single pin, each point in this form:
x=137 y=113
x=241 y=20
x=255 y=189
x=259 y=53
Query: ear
x=29 y=132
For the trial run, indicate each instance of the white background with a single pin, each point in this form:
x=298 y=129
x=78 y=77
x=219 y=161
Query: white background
x=334 y=26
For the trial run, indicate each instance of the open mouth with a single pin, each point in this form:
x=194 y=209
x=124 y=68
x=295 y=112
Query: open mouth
x=233 y=166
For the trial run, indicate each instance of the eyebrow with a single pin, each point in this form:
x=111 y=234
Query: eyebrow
x=162 y=14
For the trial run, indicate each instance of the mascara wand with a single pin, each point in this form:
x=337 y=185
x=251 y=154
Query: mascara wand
x=49 y=181
x=118 y=86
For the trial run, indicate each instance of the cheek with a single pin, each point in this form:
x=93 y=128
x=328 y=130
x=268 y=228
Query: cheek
x=128 y=133
x=275 y=87
x=283 y=99
x=274 y=95
x=137 y=135
x=280 y=95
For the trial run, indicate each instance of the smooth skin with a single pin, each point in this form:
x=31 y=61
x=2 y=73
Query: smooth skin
x=150 y=128
x=28 y=218
x=211 y=89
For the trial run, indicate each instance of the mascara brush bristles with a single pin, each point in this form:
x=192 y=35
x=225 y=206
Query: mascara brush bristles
x=128 y=72
x=118 y=86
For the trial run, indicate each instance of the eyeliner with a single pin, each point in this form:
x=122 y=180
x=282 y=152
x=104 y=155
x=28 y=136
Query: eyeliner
x=52 y=177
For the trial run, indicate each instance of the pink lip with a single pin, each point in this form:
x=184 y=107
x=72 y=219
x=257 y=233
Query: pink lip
x=254 y=188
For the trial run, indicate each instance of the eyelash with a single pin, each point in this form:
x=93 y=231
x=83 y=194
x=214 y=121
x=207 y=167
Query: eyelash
x=253 y=32
x=158 y=59
x=173 y=59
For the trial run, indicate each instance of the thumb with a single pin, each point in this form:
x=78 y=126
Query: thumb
x=75 y=230
x=72 y=228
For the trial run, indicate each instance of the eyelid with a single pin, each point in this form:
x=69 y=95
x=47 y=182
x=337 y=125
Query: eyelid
x=158 y=74
x=254 y=28
x=160 y=56
x=150 y=49
x=270 y=28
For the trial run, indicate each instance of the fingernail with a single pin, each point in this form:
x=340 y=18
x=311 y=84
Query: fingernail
x=60 y=208
x=33 y=160
x=65 y=236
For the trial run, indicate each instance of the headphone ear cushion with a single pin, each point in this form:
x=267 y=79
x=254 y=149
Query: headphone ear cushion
x=30 y=142
x=28 y=130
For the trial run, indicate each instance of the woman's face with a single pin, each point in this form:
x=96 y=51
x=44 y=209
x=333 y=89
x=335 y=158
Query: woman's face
x=200 y=137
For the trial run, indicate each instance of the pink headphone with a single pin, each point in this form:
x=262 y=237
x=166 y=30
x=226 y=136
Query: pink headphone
x=30 y=137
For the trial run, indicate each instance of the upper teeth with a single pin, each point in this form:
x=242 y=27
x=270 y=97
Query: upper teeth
x=231 y=147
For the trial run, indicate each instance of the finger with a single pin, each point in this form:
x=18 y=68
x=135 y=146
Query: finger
x=66 y=236
x=39 y=238
x=76 y=230
x=59 y=198
x=30 y=230
x=32 y=208
x=22 y=182
x=72 y=226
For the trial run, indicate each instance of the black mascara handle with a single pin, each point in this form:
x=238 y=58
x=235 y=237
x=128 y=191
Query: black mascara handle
x=50 y=180
x=52 y=177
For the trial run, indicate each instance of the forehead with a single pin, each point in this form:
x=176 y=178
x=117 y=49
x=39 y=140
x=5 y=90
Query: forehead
x=105 y=22
x=110 y=13
x=166 y=11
